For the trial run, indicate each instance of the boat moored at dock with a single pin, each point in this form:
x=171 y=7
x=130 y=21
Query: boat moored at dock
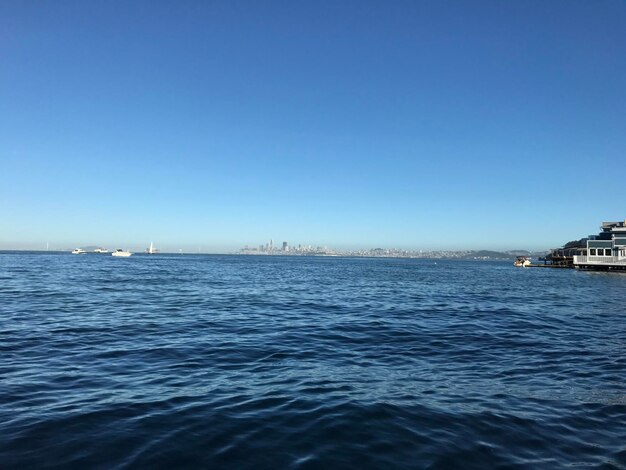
x=521 y=262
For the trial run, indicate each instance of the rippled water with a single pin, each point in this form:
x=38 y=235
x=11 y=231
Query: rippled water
x=266 y=362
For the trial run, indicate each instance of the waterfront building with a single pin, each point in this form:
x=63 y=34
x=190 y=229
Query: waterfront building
x=605 y=251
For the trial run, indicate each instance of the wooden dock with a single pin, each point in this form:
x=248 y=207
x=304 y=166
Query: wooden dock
x=556 y=266
x=558 y=258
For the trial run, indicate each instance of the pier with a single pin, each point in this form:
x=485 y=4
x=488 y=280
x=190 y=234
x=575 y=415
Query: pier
x=562 y=258
x=557 y=266
x=603 y=252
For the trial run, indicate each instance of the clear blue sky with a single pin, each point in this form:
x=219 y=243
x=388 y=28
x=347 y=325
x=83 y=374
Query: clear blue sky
x=418 y=124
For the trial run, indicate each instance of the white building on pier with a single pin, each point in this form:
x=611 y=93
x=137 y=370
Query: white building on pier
x=605 y=251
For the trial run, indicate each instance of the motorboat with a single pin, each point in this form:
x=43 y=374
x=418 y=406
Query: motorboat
x=78 y=251
x=121 y=253
x=100 y=250
x=521 y=262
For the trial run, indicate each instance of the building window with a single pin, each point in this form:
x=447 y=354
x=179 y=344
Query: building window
x=607 y=252
x=592 y=251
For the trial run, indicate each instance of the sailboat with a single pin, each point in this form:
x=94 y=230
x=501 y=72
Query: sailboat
x=152 y=250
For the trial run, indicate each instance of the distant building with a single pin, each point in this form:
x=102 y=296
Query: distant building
x=285 y=246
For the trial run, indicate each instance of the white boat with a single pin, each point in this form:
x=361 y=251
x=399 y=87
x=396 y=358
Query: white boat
x=78 y=251
x=521 y=262
x=122 y=253
x=152 y=250
x=100 y=250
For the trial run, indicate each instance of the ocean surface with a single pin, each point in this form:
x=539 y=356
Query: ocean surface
x=307 y=362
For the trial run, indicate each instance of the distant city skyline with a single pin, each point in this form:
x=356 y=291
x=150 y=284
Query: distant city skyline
x=419 y=125
x=282 y=247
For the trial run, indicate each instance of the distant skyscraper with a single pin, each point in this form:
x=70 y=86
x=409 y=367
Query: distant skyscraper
x=285 y=246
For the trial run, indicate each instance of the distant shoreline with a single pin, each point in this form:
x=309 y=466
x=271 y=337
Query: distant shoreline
x=449 y=257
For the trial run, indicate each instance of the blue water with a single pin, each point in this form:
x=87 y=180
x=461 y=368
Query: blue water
x=279 y=362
